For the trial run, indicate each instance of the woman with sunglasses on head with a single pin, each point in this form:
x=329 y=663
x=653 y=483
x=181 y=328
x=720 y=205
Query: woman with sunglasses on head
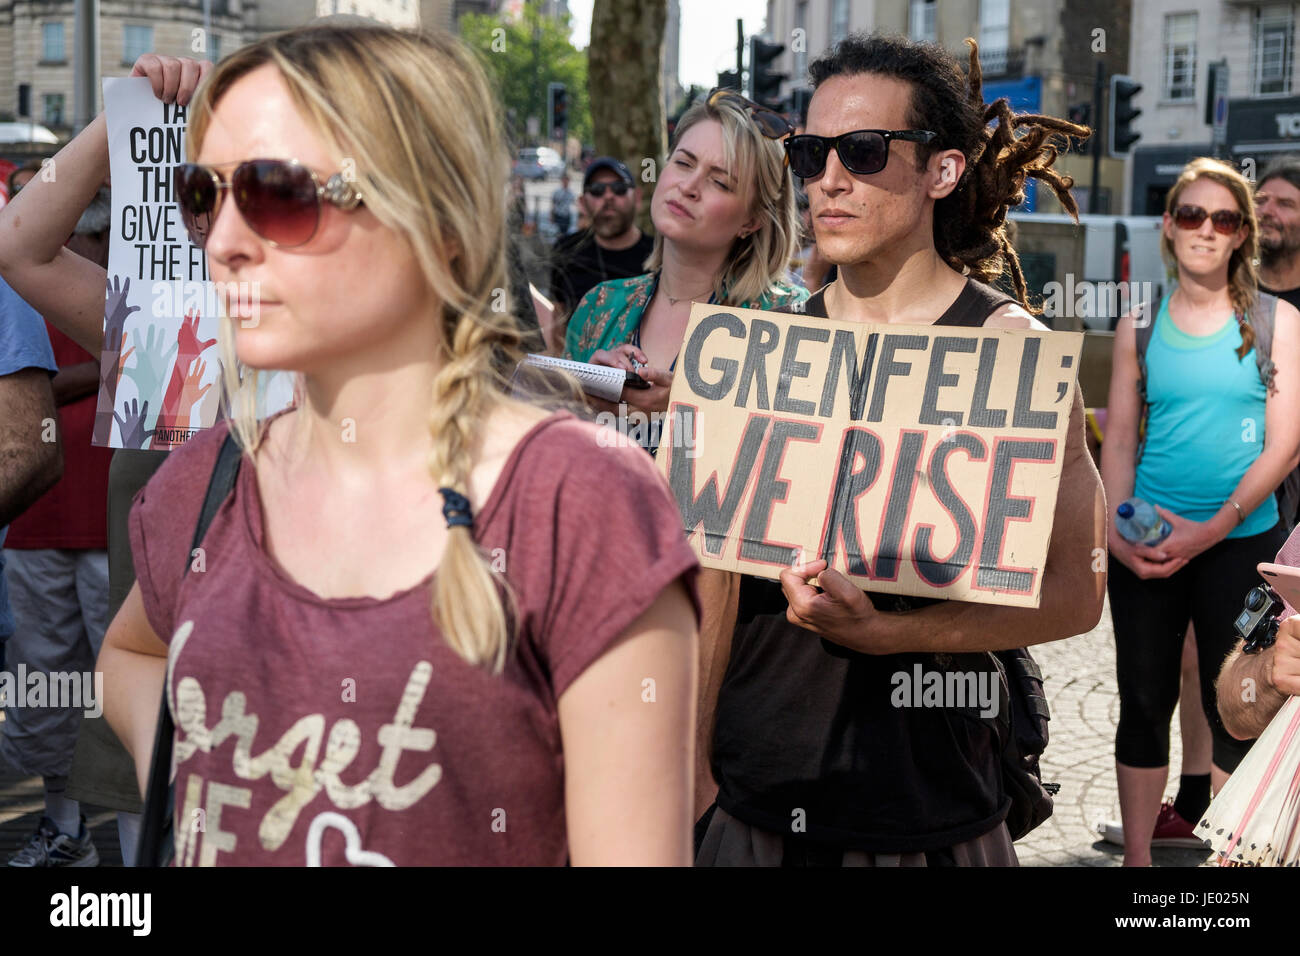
x=412 y=656
x=726 y=229
x=1220 y=435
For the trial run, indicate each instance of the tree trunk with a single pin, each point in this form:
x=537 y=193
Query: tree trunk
x=625 y=85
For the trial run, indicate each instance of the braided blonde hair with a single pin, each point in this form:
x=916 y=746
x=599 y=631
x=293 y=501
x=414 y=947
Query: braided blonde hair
x=416 y=114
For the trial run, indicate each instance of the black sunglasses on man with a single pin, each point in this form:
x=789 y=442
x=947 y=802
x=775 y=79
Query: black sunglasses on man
x=861 y=151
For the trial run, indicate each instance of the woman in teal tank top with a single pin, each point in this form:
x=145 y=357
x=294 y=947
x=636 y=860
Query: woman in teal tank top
x=1218 y=442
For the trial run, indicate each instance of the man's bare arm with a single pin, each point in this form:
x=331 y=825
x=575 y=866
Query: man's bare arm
x=75 y=382
x=29 y=465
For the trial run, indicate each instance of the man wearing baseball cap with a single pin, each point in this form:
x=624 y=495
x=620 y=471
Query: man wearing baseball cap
x=613 y=248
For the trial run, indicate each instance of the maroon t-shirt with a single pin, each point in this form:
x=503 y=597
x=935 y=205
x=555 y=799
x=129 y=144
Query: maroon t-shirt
x=346 y=731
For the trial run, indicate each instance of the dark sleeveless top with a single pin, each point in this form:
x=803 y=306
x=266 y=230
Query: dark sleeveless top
x=803 y=724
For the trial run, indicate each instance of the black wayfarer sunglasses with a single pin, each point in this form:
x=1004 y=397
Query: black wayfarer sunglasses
x=862 y=151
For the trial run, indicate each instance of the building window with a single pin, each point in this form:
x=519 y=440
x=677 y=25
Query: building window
x=801 y=56
x=53 y=109
x=214 y=42
x=995 y=35
x=136 y=42
x=839 y=20
x=1179 y=75
x=52 y=50
x=1272 y=52
x=920 y=21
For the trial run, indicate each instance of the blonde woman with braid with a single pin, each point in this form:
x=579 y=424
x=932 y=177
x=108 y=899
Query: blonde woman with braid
x=396 y=635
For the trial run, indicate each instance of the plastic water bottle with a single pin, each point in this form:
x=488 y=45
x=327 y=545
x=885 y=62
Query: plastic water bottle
x=1137 y=522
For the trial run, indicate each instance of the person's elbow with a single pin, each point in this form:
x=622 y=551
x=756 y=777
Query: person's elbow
x=1082 y=598
x=45 y=447
x=40 y=466
x=1233 y=717
x=49 y=464
x=9 y=244
x=1078 y=564
x=1293 y=461
x=1235 y=728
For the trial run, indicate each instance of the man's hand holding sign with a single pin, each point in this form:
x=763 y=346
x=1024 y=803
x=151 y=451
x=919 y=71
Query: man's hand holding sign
x=917 y=460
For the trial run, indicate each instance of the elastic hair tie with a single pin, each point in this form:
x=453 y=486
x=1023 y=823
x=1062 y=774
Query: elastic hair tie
x=456 y=509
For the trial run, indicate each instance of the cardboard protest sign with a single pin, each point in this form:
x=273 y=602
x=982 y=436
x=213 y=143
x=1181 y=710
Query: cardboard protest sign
x=160 y=374
x=919 y=460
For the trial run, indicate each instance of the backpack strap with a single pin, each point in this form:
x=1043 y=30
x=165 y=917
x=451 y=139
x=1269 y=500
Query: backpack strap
x=1142 y=332
x=1261 y=319
x=156 y=846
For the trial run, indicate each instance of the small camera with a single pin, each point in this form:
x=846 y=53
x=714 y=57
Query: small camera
x=1258 y=621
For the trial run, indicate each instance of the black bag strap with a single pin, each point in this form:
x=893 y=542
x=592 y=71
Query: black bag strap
x=156 y=846
x=1142 y=338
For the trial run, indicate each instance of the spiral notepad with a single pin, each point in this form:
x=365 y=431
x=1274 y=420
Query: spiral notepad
x=598 y=380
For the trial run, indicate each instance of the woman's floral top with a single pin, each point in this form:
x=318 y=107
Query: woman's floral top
x=610 y=314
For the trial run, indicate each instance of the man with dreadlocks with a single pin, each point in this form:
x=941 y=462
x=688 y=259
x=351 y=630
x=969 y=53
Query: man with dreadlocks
x=909 y=186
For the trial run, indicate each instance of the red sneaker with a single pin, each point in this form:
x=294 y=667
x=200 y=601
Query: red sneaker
x=1173 y=830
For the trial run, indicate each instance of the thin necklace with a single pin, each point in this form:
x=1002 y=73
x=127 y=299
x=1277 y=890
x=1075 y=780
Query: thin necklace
x=673 y=301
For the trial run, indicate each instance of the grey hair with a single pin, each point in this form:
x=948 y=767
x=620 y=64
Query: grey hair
x=1285 y=167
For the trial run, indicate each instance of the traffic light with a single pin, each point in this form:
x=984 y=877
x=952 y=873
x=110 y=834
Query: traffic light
x=764 y=82
x=729 y=80
x=1080 y=114
x=1122 y=114
x=557 y=110
x=799 y=100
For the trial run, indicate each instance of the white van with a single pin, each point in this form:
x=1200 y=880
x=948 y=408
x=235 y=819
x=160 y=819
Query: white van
x=1117 y=249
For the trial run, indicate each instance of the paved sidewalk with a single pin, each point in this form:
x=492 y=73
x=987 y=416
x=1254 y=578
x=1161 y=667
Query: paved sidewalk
x=1079 y=677
x=1080 y=681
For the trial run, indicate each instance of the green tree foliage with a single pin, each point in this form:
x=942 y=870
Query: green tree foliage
x=523 y=57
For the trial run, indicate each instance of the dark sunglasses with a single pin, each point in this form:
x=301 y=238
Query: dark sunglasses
x=862 y=151
x=279 y=199
x=1226 y=221
x=596 y=190
x=769 y=122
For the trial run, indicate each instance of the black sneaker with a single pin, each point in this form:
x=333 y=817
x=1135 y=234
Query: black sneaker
x=49 y=847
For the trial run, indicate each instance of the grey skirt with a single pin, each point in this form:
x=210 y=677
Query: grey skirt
x=730 y=842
